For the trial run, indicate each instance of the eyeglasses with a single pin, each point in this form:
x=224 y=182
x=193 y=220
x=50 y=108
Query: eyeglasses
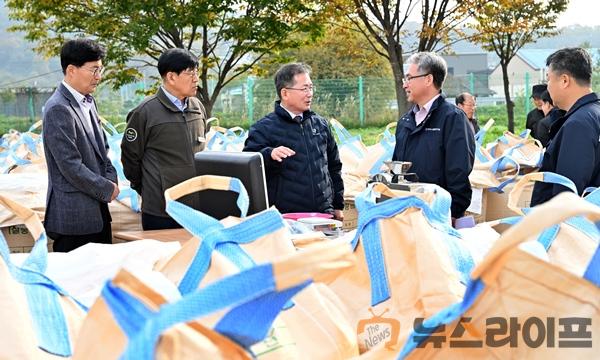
x=97 y=71
x=190 y=73
x=306 y=89
x=408 y=78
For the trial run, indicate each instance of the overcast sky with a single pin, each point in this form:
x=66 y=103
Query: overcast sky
x=582 y=12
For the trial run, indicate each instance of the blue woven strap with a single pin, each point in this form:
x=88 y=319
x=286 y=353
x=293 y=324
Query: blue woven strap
x=480 y=136
x=480 y=156
x=453 y=312
x=387 y=155
x=32 y=128
x=30 y=142
x=132 y=195
x=593 y=195
x=388 y=136
x=48 y=319
x=112 y=130
x=553 y=178
x=252 y=296
x=114 y=143
x=214 y=236
x=368 y=229
x=213 y=141
x=585 y=226
x=444 y=317
x=346 y=139
x=592 y=273
x=341 y=132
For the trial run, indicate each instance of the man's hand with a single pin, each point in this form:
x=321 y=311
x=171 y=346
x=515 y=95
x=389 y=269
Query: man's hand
x=338 y=215
x=281 y=152
x=115 y=192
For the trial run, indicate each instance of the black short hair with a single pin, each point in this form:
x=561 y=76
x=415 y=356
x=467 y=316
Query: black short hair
x=546 y=97
x=538 y=90
x=176 y=60
x=284 y=77
x=77 y=52
x=461 y=98
x=575 y=62
x=430 y=63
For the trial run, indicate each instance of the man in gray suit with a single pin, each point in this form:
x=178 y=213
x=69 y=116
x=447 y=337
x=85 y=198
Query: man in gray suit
x=81 y=179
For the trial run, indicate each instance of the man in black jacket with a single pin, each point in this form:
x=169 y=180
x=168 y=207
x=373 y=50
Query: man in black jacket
x=535 y=115
x=552 y=114
x=434 y=134
x=574 y=151
x=302 y=162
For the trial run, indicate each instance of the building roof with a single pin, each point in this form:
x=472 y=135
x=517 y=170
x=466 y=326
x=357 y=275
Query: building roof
x=536 y=58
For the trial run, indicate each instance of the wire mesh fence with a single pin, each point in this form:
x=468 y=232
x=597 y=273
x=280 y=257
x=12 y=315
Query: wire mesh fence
x=356 y=102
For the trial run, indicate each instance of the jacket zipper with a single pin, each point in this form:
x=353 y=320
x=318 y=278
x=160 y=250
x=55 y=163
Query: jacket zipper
x=188 y=135
x=312 y=185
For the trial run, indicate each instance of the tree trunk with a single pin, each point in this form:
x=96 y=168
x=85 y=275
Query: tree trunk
x=208 y=105
x=510 y=106
x=397 y=64
x=205 y=99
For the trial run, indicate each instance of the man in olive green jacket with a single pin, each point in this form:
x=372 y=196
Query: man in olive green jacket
x=163 y=134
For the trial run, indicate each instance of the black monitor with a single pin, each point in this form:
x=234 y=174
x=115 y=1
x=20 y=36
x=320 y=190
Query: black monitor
x=246 y=166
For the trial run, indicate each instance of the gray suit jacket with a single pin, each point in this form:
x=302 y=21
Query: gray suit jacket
x=80 y=175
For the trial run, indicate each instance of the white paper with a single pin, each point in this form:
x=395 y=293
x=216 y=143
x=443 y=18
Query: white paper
x=476 y=199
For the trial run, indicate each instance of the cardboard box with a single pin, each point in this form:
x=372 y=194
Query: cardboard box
x=19 y=239
x=350 y=215
x=497 y=203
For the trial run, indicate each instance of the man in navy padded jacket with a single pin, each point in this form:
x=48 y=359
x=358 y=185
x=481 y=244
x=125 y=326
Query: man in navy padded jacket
x=434 y=135
x=302 y=162
x=574 y=151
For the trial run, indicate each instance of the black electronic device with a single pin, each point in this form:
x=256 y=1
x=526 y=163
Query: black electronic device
x=246 y=166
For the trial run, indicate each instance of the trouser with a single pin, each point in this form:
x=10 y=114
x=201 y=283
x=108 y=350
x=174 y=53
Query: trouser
x=152 y=222
x=66 y=243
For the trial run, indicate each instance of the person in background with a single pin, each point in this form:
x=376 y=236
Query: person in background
x=434 y=134
x=535 y=115
x=467 y=103
x=574 y=151
x=302 y=162
x=81 y=178
x=551 y=115
x=163 y=133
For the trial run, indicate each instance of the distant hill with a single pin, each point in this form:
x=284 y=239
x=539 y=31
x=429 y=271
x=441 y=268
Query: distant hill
x=20 y=62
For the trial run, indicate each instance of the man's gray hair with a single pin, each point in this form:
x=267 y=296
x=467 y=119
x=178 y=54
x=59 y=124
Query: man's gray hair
x=284 y=77
x=430 y=63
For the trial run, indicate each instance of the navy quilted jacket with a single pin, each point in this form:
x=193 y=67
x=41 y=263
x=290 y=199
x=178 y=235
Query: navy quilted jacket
x=441 y=149
x=574 y=151
x=311 y=179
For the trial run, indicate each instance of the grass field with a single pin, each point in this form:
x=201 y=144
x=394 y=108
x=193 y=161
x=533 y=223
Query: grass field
x=368 y=134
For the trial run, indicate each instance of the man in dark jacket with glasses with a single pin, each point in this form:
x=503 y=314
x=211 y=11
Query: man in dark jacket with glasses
x=302 y=162
x=434 y=135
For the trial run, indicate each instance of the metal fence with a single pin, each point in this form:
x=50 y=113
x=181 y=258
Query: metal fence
x=357 y=102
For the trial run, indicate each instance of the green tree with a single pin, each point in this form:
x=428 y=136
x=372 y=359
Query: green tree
x=342 y=52
x=383 y=24
x=229 y=36
x=505 y=26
